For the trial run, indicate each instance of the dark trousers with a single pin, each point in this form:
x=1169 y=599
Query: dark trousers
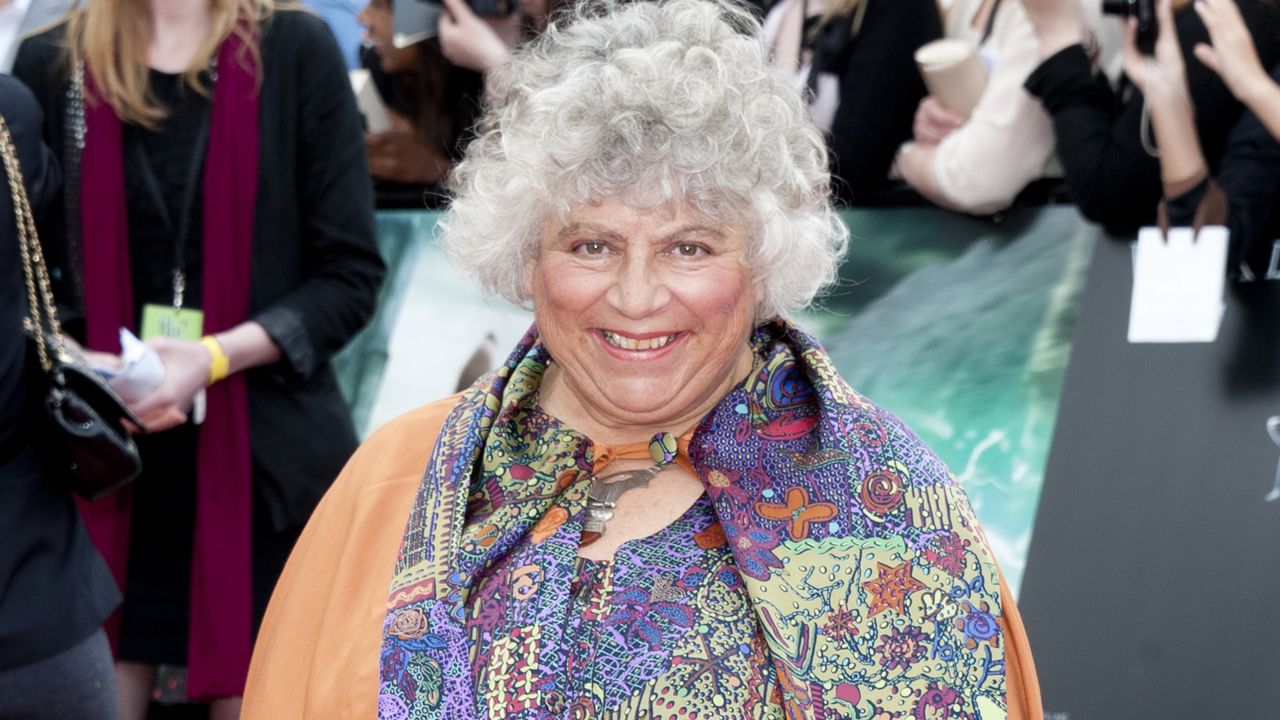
x=76 y=684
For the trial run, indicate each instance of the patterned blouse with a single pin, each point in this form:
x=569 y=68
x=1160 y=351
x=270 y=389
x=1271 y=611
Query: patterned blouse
x=664 y=626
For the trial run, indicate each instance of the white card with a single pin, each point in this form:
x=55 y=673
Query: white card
x=1178 y=283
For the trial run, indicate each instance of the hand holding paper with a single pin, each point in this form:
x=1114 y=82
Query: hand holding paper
x=132 y=375
x=186 y=373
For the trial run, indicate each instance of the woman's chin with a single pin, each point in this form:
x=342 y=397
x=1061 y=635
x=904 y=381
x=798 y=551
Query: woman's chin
x=644 y=404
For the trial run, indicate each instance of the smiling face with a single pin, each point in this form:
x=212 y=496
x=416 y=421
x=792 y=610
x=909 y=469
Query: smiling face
x=647 y=313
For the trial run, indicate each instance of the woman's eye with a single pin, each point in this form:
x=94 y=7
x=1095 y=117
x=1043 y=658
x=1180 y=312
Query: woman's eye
x=592 y=248
x=689 y=250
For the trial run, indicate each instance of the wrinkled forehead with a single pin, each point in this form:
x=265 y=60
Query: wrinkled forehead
x=716 y=211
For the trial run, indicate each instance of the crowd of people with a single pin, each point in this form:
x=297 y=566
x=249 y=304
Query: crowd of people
x=1065 y=115
x=201 y=175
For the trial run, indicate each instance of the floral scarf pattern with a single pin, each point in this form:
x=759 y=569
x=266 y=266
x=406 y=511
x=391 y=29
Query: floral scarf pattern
x=873 y=589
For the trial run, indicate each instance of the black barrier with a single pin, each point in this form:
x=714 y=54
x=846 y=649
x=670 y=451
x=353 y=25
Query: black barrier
x=1153 y=580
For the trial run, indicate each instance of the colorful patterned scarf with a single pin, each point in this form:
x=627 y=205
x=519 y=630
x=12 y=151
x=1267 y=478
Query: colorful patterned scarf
x=874 y=588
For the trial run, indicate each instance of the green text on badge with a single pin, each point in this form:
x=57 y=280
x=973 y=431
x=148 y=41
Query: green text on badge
x=170 y=322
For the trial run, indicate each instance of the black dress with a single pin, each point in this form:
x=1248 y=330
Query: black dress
x=155 y=615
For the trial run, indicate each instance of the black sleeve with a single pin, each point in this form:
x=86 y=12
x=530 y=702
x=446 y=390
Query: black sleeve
x=1112 y=179
x=1250 y=178
x=1180 y=210
x=39 y=167
x=41 y=64
x=343 y=269
x=40 y=176
x=880 y=88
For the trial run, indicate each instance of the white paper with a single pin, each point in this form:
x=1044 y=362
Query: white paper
x=198 y=407
x=369 y=102
x=1178 y=283
x=140 y=371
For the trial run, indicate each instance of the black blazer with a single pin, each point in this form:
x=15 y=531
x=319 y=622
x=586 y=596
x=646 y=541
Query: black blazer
x=316 y=269
x=55 y=589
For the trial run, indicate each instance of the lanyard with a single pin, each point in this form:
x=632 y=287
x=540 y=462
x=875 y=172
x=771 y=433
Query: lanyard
x=991 y=22
x=181 y=231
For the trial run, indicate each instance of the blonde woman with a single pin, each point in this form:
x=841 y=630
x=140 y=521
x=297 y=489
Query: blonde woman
x=218 y=204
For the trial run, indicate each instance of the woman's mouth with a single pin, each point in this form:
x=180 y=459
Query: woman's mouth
x=622 y=342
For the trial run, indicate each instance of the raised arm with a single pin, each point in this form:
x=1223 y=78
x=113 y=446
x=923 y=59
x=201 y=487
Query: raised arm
x=1231 y=54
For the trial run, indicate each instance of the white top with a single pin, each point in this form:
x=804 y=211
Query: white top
x=11 y=17
x=1008 y=141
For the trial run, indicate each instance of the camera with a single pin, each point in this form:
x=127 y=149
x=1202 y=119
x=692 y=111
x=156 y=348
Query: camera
x=1145 y=12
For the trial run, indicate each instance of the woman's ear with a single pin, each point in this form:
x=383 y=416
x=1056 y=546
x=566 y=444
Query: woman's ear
x=757 y=292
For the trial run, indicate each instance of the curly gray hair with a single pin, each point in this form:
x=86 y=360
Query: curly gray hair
x=650 y=103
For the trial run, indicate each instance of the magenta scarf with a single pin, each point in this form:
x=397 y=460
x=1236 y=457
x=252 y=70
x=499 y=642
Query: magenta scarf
x=221 y=566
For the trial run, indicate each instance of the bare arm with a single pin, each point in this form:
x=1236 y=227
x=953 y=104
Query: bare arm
x=1162 y=78
x=1265 y=103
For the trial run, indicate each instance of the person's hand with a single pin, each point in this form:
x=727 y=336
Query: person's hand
x=1163 y=72
x=1232 y=54
x=934 y=122
x=95 y=359
x=1058 y=24
x=92 y=358
x=400 y=154
x=469 y=41
x=186 y=372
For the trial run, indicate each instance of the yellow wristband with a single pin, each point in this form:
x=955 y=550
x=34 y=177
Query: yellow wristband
x=219 y=363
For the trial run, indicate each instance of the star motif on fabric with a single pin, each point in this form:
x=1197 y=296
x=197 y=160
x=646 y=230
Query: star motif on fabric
x=799 y=511
x=892 y=588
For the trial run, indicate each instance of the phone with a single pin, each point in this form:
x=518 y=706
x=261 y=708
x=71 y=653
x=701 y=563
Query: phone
x=413 y=21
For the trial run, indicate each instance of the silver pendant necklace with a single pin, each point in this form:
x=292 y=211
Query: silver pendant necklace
x=605 y=490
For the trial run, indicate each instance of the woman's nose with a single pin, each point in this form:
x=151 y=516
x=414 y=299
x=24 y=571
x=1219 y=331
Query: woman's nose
x=639 y=288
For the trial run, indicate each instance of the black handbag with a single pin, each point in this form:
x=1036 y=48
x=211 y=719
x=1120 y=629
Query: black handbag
x=87 y=443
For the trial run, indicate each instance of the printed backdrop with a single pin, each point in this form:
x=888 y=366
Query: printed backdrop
x=1150 y=583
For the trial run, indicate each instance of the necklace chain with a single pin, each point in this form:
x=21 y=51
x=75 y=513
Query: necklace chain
x=605 y=490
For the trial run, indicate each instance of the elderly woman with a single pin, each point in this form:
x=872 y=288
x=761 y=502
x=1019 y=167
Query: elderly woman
x=666 y=503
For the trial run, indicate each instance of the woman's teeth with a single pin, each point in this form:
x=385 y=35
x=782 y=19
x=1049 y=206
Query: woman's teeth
x=626 y=343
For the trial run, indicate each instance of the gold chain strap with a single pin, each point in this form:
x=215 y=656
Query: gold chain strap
x=42 y=316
